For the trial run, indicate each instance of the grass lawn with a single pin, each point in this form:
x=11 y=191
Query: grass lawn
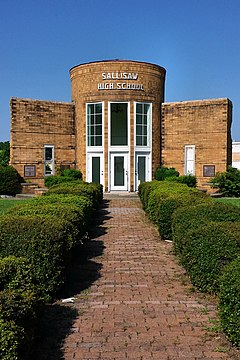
x=6 y=204
x=233 y=201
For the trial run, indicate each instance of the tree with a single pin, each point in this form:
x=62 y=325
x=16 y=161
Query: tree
x=4 y=153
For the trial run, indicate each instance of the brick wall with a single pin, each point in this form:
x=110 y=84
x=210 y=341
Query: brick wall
x=85 y=80
x=205 y=124
x=35 y=123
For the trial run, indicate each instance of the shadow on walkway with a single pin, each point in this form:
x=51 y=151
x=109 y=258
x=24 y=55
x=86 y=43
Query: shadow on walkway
x=57 y=320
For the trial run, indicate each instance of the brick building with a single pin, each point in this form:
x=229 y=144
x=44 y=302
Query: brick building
x=117 y=130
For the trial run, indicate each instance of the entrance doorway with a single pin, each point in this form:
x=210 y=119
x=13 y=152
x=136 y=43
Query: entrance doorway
x=95 y=168
x=119 y=171
x=142 y=168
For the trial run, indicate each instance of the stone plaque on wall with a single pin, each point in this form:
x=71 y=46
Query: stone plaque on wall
x=208 y=170
x=29 y=170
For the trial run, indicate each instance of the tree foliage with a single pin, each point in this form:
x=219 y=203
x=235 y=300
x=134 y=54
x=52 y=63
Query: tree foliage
x=4 y=153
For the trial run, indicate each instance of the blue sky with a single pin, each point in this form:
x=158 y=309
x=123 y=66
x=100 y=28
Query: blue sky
x=197 y=41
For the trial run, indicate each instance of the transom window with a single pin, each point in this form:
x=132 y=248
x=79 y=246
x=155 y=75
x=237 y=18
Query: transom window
x=94 y=124
x=142 y=124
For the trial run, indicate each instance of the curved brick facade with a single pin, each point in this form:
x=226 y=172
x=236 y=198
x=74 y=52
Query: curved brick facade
x=118 y=81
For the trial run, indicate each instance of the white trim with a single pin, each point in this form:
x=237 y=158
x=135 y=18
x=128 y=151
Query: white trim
x=94 y=148
x=188 y=161
x=148 y=167
x=143 y=150
x=126 y=185
x=90 y=155
x=52 y=161
x=118 y=150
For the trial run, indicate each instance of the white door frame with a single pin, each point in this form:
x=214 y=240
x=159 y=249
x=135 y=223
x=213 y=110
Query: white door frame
x=125 y=156
x=89 y=166
x=148 y=170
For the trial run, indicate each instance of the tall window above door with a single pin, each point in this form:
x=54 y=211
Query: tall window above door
x=94 y=124
x=119 y=124
x=143 y=117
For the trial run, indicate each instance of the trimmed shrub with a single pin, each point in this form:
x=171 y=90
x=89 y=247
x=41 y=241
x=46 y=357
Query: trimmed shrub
x=92 y=191
x=11 y=340
x=62 y=177
x=208 y=250
x=229 y=296
x=163 y=173
x=70 y=173
x=44 y=241
x=144 y=190
x=165 y=199
x=192 y=217
x=16 y=273
x=71 y=214
x=20 y=300
x=10 y=181
x=228 y=182
x=189 y=180
x=84 y=205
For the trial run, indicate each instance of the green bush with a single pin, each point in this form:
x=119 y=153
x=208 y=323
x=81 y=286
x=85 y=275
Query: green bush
x=4 y=153
x=84 y=205
x=228 y=182
x=10 y=181
x=163 y=173
x=20 y=300
x=70 y=173
x=92 y=191
x=208 y=250
x=229 y=296
x=44 y=241
x=189 y=180
x=161 y=207
x=16 y=273
x=144 y=190
x=11 y=340
x=63 y=176
x=69 y=213
x=192 y=217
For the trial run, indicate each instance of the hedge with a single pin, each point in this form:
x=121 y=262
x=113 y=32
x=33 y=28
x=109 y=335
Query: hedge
x=92 y=191
x=206 y=237
x=230 y=301
x=208 y=250
x=37 y=238
x=20 y=303
x=84 y=205
x=144 y=190
x=44 y=241
x=192 y=217
x=62 y=177
x=163 y=198
x=11 y=340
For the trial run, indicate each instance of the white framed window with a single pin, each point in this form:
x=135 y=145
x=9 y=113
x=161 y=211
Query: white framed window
x=142 y=124
x=95 y=124
x=189 y=159
x=48 y=160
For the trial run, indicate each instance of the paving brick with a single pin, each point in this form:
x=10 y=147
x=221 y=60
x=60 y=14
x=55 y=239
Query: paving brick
x=144 y=312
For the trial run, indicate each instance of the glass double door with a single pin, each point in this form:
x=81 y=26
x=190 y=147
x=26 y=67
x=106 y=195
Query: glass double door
x=119 y=172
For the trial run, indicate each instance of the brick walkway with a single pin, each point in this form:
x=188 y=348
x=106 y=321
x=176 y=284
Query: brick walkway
x=142 y=306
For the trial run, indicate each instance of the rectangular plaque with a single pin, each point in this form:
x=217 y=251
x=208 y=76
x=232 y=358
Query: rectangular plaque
x=29 y=170
x=208 y=170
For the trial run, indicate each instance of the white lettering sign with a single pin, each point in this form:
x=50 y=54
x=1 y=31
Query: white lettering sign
x=119 y=76
x=120 y=86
